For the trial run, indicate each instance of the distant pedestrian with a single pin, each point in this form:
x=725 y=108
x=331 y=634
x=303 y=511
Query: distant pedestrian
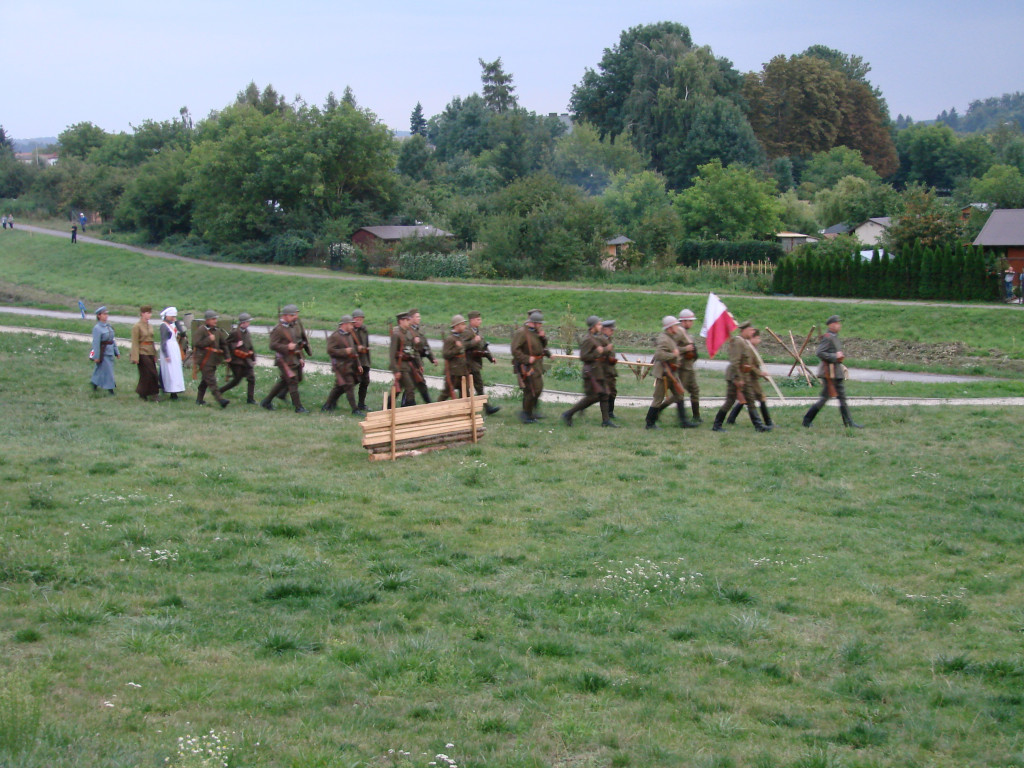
x=1008 y=283
x=74 y=234
x=82 y=220
x=4 y=219
x=10 y=220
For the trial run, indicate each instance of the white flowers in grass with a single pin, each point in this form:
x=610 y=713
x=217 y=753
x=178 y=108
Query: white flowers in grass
x=943 y=599
x=401 y=757
x=643 y=579
x=780 y=563
x=158 y=555
x=209 y=750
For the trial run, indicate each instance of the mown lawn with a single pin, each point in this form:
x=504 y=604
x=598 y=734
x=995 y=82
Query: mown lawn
x=580 y=597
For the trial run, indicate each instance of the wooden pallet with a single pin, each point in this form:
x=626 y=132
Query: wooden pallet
x=395 y=432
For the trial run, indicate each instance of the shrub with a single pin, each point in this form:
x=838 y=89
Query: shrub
x=691 y=252
x=423 y=266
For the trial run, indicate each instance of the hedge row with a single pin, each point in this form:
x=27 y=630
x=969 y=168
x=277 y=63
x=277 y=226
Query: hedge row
x=954 y=274
x=691 y=252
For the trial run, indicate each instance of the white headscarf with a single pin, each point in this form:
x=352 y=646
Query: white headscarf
x=169 y=312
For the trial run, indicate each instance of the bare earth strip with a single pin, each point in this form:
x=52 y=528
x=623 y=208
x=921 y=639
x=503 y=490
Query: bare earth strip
x=556 y=396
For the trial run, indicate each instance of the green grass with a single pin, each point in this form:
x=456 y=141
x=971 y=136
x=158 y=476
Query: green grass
x=548 y=597
x=122 y=280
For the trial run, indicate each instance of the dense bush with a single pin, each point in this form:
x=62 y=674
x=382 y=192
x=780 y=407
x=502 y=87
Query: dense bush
x=423 y=266
x=690 y=252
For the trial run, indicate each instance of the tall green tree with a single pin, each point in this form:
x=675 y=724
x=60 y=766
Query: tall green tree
x=499 y=93
x=728 y=203
x=1002 y=186
x=417 y=122
x=80 y=139
x=587 y=161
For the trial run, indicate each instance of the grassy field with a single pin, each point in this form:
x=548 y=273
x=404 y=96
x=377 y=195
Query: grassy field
x=46 y=271
x=174 y=578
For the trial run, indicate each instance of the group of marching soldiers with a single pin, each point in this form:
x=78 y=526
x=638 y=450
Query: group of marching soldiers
x=464 y=349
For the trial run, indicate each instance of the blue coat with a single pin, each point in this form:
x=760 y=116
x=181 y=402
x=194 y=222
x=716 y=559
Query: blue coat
x=103 y=375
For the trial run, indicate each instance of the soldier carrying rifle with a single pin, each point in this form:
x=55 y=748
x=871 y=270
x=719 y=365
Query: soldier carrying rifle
x=287 y=340
x=593 y=349
x=529 y=348
x=403 y=358
x=833 y=372
x=667 y=360
x=740 y=377
x=477 y=350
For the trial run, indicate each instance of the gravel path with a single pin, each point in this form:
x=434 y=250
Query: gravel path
x=556 y=396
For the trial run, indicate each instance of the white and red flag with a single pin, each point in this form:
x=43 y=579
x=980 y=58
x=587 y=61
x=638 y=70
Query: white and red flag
x=718 y=324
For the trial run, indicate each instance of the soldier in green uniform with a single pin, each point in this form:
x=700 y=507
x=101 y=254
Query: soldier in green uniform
x=592 y=352
x=762 y=401
x=476 y=352
x=363 y=346
x=455 y=362
x=611 y=374
x=667 y=357
x=833 y=372
x=688 y=364
x=211 y=350
x=242 y=358
x=740 y=376
x=286 y=342
x=401 y=358
x=529 y=348
x=343 y=349
x=422 y=346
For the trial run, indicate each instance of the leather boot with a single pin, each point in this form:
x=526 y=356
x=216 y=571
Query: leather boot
x=766 y=416
x=611 y=407
x=719 y=418
x=684 y=421
x=731 y=418
x=606 y=420
x=847 y=419
x=755 y=419
x=651 y=422
x=695 y=407
x=490 y=410
x=811 y=413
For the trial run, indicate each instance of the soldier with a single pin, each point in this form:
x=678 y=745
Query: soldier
x=422 y=345
x=343 y=349
x=667 y=389
x=611 y=375
x=363 y=347
x=286 y=342
x=455 y=363
x=762 y=401
x=688 y=365
x=592 y=352
x=211 y=349
x=476 y=351
x=832 y=370
x=740 y=377
x=529 y=348
x=242 y=358
x=143 y=355
x=402 y=352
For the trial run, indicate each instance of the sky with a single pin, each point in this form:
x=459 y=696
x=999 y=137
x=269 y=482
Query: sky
x=116 y=63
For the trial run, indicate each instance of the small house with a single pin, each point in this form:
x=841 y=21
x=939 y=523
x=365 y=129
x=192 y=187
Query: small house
x=871 y=231
x=376 y=238
x=1004 y=231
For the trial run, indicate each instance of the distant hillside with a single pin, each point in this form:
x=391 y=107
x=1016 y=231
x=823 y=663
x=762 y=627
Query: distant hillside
x=983 y=115
x=27 y=145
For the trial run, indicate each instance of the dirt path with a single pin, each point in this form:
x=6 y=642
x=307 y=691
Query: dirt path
x=557 y=396
x=350 y=277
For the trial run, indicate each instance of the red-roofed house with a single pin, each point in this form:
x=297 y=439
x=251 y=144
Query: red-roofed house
x=1004 y=231
x=374 y=238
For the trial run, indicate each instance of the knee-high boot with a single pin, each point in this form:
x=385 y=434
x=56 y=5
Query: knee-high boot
x=766 y=416
x=731 y=418
x=755 y=419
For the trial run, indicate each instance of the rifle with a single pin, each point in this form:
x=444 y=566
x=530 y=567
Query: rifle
x=692 y=354
x=830 y=384
x=669 y=375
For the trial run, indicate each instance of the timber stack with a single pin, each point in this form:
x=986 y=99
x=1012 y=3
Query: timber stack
x=418 y=429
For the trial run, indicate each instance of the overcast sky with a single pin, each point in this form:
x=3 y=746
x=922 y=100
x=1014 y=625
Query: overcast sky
x=117 y=63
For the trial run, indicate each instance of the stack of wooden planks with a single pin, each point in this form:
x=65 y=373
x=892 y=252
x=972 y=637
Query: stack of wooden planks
x=418 y=429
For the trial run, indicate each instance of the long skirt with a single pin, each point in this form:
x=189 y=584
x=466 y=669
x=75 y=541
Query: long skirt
x=171 y=375
x=103 y=375
x=148 y=385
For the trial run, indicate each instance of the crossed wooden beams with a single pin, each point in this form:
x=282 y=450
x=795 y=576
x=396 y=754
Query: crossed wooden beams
x=795 y=353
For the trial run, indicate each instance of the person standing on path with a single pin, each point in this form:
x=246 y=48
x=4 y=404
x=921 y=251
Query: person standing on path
x=74 y=234
x=833 y=372
x=143 y=355
x=104 y=351
x=172 y=377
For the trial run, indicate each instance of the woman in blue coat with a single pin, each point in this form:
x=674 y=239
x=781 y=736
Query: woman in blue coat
x=104 y=350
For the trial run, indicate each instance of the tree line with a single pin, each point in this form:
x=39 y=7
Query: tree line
x=668 y=144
